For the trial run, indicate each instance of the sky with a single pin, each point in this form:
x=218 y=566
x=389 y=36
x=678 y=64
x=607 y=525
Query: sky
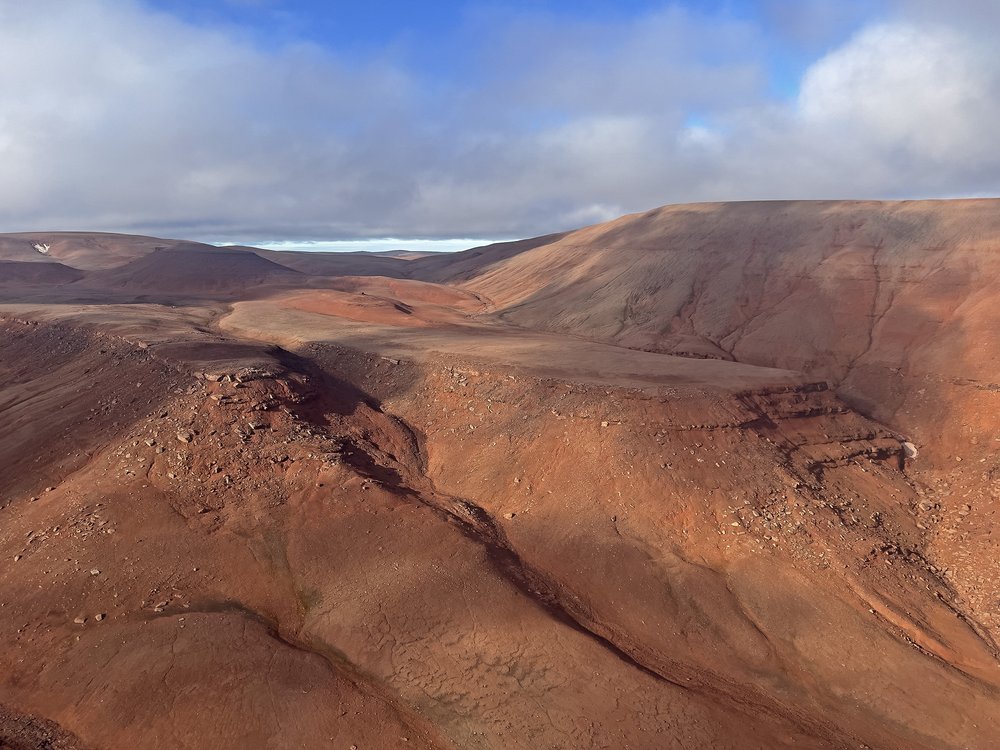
x=326 y=124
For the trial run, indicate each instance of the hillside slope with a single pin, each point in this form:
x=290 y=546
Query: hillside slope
x=646 y=485
x=82 y=250
x=194 y=270
x=895 y=303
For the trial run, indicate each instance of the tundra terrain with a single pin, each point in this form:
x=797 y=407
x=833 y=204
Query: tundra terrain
x=717 y=476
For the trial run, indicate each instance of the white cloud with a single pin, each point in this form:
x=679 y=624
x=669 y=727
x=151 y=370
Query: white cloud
x=927 y=91
x=695 y=138
x=903 y=109
x=113 y=115
x=116 y=117
x=380 y=245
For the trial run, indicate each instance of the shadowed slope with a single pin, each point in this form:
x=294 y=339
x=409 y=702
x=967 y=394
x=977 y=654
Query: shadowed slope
x=195 y=270
x=15 y=272
x=83 y=250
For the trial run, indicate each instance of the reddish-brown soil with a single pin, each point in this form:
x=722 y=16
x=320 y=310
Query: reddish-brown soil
x=480 y=501
x=14 y=273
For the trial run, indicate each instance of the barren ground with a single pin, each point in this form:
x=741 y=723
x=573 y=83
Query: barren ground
x=650 y=484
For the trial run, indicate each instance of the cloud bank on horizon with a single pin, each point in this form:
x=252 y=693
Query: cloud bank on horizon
x=266 y=120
